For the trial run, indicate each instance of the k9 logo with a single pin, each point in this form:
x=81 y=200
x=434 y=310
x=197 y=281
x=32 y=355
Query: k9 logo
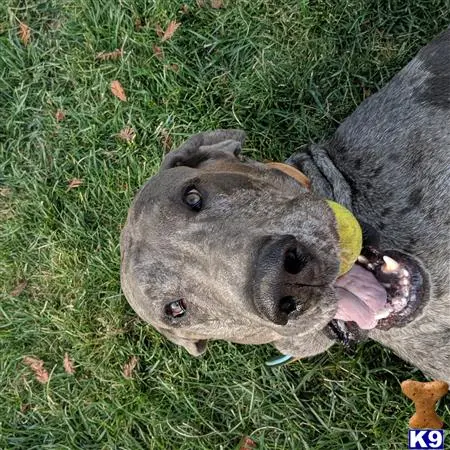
x=426 y=439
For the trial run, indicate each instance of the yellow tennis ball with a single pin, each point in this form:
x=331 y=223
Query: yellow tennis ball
x=350 y=236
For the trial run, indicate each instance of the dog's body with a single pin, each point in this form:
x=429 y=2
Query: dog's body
x=202 y=247
x=393 y=154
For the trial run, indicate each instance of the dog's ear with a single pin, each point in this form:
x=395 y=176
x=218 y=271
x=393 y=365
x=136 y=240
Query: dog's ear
x=204 y=147
x=194 y=347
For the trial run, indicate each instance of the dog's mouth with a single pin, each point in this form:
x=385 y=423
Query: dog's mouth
x=382 y=290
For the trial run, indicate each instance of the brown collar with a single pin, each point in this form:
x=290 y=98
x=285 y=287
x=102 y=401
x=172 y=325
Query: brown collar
x=292 y=172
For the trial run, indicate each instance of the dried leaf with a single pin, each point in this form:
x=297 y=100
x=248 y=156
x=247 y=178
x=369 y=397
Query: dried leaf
x=138 y=24
x=216 y=4
x=185 y=8
x=59 y=115
x=127 y=134
x=24 y=33
x=54 y=24
x=174 y=67
x=170 y=31
x=166 y=141
x=21 y=285
x=129 y=367
x=24 y=408
x=117 y=90
x=159 y=30
x=246 y=443
x=158 y=52
x=68 y=364
x=37 y=366
x=107 y=56
x=201 y=3
x=74 y=183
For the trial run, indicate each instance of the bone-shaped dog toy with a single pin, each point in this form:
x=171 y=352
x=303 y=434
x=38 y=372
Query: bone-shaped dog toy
x=425 y=397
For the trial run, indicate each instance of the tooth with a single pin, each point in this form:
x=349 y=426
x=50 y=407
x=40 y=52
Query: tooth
x=398 y=303
x=362 y=259
x=383 y=313
x=389 y=265
x=405 y=273
x=404 y=282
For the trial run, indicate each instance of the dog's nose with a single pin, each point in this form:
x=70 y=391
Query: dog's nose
x=294 y=260
x=280 y=261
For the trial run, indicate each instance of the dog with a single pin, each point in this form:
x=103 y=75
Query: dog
x=217 y=246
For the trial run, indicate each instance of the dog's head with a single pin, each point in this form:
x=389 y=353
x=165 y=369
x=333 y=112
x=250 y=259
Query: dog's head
x=217 y=247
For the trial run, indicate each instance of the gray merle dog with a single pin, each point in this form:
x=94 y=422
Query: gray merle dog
x=220 y=247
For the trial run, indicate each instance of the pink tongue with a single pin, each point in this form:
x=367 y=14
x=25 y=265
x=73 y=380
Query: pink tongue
x=362 y=299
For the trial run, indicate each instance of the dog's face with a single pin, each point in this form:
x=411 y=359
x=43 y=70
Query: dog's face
x=219 y=248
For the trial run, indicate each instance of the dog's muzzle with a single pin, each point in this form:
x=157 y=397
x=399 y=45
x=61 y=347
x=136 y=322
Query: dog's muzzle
x=279 y=273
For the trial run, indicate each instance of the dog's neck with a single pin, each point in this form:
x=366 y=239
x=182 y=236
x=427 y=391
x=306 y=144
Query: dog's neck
x=325 y=180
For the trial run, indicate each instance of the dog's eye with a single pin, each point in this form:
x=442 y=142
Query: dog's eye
x=176 y=309
x=193 y=199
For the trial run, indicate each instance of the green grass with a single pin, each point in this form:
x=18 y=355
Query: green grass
x=287 y=72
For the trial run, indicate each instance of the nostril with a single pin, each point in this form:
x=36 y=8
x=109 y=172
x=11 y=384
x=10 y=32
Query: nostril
x=288 y=304
x=294 y=261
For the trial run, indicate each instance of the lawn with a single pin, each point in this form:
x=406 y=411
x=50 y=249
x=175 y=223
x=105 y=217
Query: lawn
x=286 y=72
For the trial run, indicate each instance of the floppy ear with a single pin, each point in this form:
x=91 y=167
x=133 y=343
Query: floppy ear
x=203 y=147
x=194 y=347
